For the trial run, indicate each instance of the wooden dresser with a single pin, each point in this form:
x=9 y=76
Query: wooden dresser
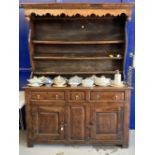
x=77 y=39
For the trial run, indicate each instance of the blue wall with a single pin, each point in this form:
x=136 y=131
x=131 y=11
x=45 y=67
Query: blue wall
x=24 y=63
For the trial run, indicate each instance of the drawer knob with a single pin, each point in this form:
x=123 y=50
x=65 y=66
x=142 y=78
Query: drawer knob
x=56 y=96
x=76 y=97
x=62 y=126
x=82 y=27
x=98 y=96
x=116 y=97
x=38 y=97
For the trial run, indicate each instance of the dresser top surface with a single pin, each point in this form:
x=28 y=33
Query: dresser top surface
x=78 y=88
x=77 y=5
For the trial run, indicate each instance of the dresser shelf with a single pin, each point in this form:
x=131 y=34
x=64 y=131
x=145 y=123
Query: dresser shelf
x=78 y=42
x=47 y=57
x=73 y=73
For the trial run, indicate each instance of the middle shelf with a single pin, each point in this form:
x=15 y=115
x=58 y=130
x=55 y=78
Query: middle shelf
x=47 y=57
x=78 y=42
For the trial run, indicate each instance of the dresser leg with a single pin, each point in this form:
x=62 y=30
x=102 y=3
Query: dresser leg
x=29 y=144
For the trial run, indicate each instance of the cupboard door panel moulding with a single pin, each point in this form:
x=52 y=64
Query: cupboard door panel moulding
x=108 y=123
x=48 y=123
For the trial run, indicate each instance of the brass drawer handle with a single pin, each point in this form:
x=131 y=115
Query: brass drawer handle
x=82 y=26
x=38 y=97
x=57 y=97
x=98 y=96
x=76 y=97
x=116 y=97
x=62 y=126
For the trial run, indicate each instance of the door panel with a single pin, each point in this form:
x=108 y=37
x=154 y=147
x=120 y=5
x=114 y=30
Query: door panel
x=45 y=119
x=107 y=123
x=48 y=122
x=78 y=118
x=77 y=122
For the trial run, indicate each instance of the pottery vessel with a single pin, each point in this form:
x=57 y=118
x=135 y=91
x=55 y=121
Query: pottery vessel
x=75 y=81
x=102 y=81
x=88 y=82
x=59 y=80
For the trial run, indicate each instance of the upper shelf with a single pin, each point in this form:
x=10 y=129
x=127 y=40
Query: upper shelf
x=78 y=42
x=74 y=73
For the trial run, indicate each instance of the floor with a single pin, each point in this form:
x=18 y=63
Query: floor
x=75 y=149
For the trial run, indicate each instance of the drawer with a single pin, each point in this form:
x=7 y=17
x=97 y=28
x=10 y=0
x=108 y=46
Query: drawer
x=77 y=95
x=98 y=95
x=38 y=95
x=58 y=95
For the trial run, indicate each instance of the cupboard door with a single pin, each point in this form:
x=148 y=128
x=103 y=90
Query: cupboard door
x=78 y=118
x=107 y=122
x=48 y=123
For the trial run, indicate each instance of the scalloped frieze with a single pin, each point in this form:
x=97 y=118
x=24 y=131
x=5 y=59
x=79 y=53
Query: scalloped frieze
x=81 y=12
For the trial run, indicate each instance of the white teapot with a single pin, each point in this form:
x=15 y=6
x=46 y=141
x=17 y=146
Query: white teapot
x=93 y=77
x=59 y=80
x=99 y=80
x=88 y=82
x=102 y=81
x=75 y=81
x=35 y=79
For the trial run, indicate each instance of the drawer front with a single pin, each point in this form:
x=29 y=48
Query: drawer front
x=38 y=95
x=98 y=96
x=77 y=95
x=58 y=95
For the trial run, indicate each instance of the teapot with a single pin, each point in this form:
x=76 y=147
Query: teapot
x=88 y=82
x=35 y=79
x=75 y=80
x=59 y=80
x=102 y=81
x=99 y=80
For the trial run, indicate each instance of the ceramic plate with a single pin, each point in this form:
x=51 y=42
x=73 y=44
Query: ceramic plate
x=88 y=86
x=34 y=85
x=103 y=84
x=59 y=86
x=121 y=85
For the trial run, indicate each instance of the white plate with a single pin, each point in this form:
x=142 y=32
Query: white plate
x=114 y=85
x=87 y=86
x=73 y=84
x=101 y=84
x=59 y=86
x=35 y=85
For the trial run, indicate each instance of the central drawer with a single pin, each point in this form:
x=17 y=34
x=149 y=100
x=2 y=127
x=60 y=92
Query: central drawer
x=77 y=95
x=53 y=95
x=100 y=96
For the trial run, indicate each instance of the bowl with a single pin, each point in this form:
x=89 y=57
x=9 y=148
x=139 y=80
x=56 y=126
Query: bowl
x=88 y=82
x=73 y=84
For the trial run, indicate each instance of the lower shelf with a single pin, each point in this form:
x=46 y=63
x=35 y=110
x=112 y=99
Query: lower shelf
x=74 y=73
x=74 y=58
